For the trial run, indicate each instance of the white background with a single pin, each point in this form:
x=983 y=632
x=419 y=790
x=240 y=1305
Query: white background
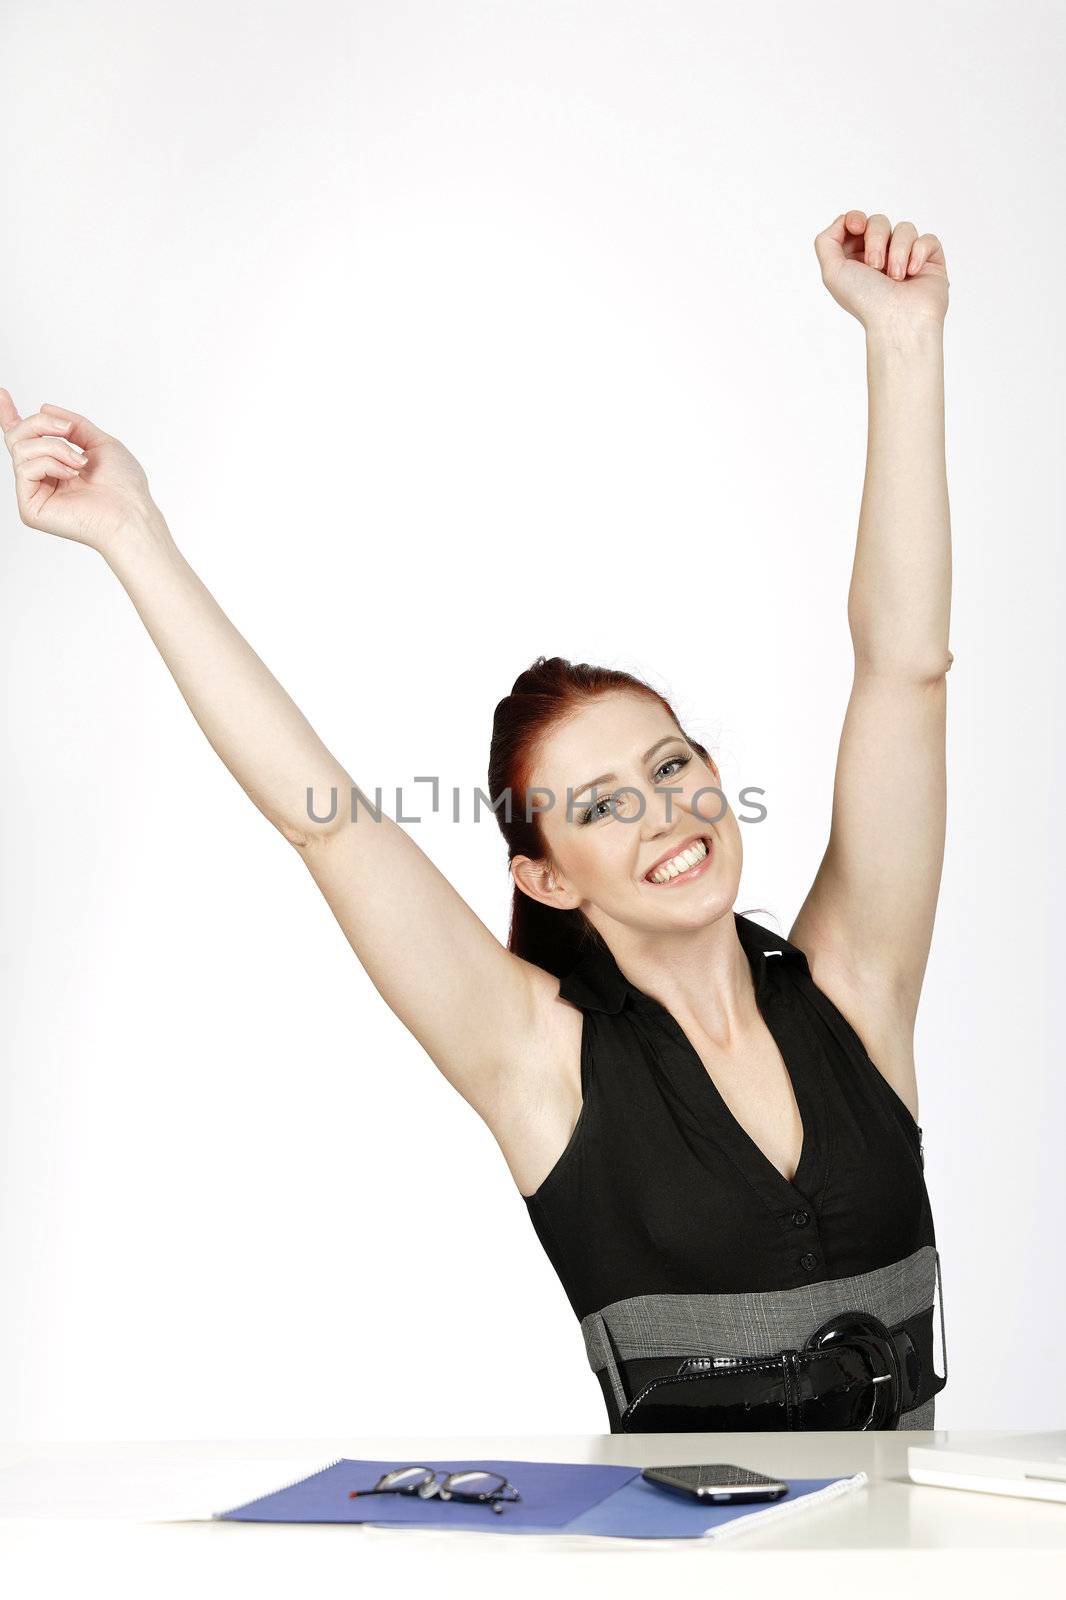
x=450 y=334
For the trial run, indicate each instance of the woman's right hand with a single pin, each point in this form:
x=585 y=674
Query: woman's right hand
x=89 y=497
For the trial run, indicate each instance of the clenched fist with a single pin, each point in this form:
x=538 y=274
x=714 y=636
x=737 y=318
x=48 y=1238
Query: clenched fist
x=889 y=278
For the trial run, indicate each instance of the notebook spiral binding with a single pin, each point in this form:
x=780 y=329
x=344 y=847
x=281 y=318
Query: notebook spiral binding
x=217 y=1516
x=782 y=1508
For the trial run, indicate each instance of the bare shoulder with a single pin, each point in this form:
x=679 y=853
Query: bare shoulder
x=538 y=1098
x=871 y=1004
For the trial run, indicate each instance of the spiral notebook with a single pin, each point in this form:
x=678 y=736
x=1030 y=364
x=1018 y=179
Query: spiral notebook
x=557 y=1497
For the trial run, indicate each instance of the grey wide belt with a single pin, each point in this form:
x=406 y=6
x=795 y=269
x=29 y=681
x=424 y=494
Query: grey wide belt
x=844 y=1353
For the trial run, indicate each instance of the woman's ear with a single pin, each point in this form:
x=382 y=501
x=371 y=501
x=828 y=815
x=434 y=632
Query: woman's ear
x=540 y=881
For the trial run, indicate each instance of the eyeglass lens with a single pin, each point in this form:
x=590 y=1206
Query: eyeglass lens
x=465 y=1483
x=473 y=1483
x=405 y=1478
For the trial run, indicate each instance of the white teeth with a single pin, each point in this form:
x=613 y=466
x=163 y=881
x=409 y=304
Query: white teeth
x=677 y=864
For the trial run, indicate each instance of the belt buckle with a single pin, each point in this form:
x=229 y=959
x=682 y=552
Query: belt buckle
x=866 y=1333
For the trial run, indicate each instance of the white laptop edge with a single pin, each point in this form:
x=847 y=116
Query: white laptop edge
x=1030 y=1467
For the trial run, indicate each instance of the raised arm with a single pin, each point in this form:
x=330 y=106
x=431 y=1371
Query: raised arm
x=429 y=955
x=868 y=918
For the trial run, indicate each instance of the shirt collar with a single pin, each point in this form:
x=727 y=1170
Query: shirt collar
x=597 y=983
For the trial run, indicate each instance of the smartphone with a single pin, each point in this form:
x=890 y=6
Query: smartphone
x=720 y=1484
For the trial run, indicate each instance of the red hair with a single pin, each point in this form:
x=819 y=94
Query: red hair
x=543 y=696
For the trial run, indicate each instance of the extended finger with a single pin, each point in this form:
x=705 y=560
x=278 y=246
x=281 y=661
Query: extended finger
x=33 y=427
x=878 y=232
x=903 y=236
x=926 y=247
x=8 y=410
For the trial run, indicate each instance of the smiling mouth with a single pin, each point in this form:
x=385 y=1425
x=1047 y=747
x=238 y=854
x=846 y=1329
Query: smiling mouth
x=682 y=865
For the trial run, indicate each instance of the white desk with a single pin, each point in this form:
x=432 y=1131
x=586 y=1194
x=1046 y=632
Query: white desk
x=891 y=1533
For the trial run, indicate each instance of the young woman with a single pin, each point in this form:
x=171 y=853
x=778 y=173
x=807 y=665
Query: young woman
x=714 y=1128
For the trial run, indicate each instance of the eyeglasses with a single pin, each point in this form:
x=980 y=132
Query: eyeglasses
x=473 y=1487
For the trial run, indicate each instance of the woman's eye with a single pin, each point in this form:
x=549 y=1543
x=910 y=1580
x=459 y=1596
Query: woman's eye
x=594 y=811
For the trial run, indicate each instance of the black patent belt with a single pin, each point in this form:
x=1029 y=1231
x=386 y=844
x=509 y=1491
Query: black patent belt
x=853 y=1373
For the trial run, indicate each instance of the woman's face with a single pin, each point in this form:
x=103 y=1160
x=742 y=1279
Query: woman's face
x=604 y=844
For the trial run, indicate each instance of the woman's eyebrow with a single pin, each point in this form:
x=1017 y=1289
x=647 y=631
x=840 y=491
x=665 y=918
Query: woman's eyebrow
x=610 y=777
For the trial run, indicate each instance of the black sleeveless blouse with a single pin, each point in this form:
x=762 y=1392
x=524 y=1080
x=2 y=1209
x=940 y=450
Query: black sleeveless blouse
x=671 y=1231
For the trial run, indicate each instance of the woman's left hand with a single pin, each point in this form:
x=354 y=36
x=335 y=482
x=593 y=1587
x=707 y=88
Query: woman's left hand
x=889 y=278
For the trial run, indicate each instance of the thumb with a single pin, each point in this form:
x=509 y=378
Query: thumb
x=8 y=412
x=829 y=244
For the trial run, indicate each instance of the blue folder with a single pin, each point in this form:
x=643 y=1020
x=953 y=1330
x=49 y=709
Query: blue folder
x=557 y=1497
x=643 y=1510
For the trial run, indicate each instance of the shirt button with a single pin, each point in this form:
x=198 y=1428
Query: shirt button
x=808 y=1262
x=801 y=1218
